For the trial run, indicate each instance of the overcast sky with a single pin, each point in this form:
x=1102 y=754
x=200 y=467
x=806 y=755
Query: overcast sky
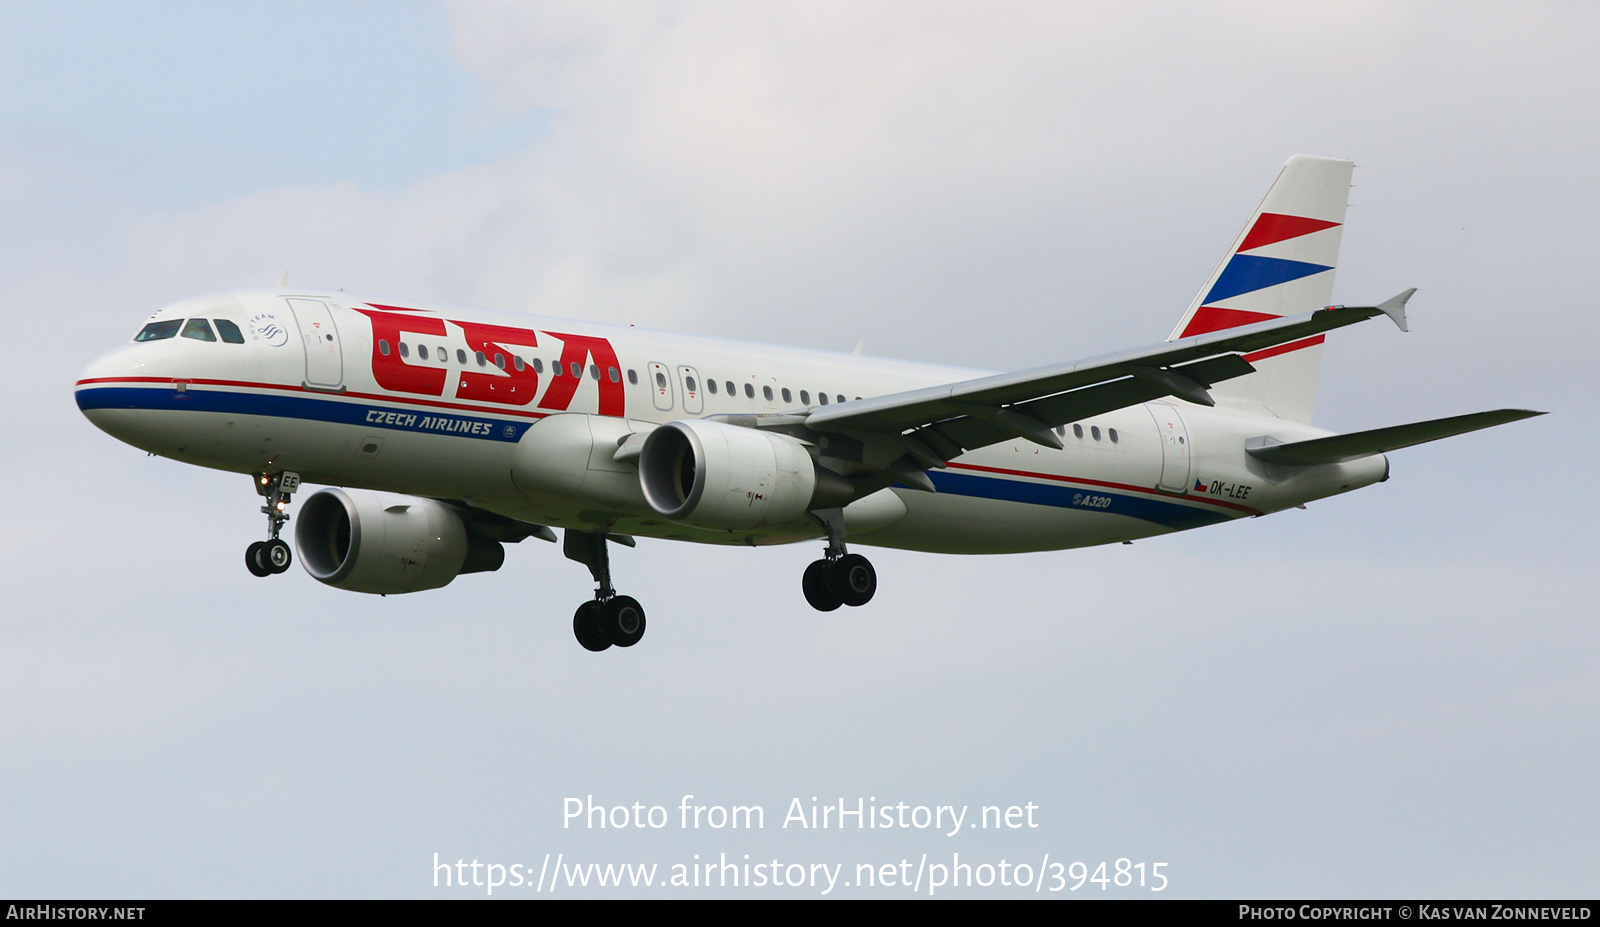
x=1390 y=693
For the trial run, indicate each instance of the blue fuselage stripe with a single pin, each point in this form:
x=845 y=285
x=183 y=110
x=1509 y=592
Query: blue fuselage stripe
x=1167 y=514
x=339 y=412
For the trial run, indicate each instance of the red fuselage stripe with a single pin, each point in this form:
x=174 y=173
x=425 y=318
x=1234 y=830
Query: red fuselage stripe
x=1088 y=482
x=370 y=397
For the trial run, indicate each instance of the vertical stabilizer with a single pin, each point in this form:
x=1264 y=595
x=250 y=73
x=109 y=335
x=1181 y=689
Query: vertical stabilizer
x=1281 y=264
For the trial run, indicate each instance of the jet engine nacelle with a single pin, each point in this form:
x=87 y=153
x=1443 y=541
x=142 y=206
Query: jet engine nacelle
x=720 y=476
x=385 y=543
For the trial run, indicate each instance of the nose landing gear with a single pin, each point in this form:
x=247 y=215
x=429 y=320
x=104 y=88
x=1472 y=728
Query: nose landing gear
x=840 y=577
x=264 y=558
x=609 y=619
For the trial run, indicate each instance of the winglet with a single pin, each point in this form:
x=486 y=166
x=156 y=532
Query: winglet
x=1395 y=308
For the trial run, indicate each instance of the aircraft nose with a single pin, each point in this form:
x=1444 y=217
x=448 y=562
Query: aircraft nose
x=120 y=363
x=113 y=363
x=101 y=387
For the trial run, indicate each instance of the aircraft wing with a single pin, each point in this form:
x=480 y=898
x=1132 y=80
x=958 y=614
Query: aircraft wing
x=935 y=424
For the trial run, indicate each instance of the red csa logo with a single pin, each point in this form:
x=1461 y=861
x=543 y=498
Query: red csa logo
x=508 y=385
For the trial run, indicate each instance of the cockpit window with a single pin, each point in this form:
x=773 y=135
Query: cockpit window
x=157 y=331
x=229 y=331
x=199 y=330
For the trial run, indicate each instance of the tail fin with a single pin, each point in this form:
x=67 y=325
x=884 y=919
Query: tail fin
x=1281 y=264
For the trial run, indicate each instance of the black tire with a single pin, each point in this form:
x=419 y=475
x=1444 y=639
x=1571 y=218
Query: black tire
x=253 y=561
x=586 y=630
x=853 y=579
x=622 y=620
x=275 y=555
x=815 y=585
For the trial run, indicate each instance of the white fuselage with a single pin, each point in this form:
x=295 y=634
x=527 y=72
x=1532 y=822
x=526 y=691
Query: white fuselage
x=414 y=399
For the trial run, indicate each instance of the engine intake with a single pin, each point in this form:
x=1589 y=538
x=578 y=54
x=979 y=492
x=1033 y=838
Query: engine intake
x=720 y=476
x=386 y=544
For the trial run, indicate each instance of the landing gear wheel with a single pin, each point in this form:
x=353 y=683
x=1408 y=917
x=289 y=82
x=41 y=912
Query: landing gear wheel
x=815 y=585
x=264 y=558
x=853 y=579
x=622 y=620
x=253 y=561
x=585 y=629
x=275 y=555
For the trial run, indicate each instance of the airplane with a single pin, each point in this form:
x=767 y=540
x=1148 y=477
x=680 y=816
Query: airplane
x=444 y=434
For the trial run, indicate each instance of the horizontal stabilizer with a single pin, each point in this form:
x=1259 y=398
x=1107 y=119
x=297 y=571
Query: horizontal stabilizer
x=1340 y=448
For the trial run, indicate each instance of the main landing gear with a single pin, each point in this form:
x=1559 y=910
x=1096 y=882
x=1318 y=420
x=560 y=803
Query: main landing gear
x=840 y=577
x=609 y=619
x=263 y=558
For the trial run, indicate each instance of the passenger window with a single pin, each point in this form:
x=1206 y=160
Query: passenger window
x=767 y=392
x=482 y=361
x=711 y=385
x=500 y=360
x=538 y=365
x=1112 y=432
x=576 y=368
x=731 y=390
x=461 y=357
x=405 y=349
x=661 y=380
x=786 y=395
x=422 y=351
x=383 y=346
x=688 y=383
x=840 y=397
x=749 y=391
x=229 y=331
x=444 y=356
x=633 y=377
x=823 y=397
x=594 y=371
x=1077 y=431
x=199 y=330
x=1094 y=431
x=614 y=374
x=805 y=398
x=516 y=361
